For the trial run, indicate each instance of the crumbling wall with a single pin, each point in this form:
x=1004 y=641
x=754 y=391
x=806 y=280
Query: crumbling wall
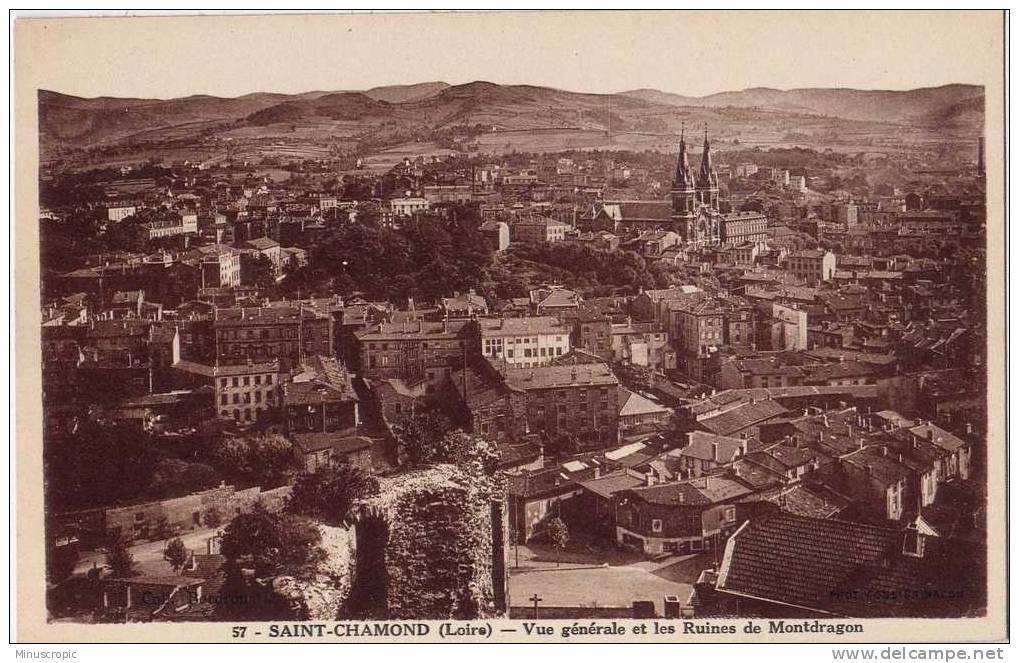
x=438 y=560
x=322 y=595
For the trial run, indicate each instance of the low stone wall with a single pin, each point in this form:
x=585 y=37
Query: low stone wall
x=213 y=507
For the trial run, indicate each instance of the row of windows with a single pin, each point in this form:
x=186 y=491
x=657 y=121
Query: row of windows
x=424 y=346
x=245 y=381
x=264 y=333
x=238 y=415
x=270 y=397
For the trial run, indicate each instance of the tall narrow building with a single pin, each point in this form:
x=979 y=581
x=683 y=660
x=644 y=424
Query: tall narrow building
x=684 y=195
x=707 y=179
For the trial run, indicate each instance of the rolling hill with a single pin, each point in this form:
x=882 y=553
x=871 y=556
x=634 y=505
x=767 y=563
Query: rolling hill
x=762 y=116
x=905 y=107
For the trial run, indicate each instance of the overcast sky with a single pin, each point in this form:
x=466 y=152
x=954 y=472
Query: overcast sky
x=686 y=53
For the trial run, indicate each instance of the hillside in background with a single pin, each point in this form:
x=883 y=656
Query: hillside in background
x=906 y=107
x=506 y=117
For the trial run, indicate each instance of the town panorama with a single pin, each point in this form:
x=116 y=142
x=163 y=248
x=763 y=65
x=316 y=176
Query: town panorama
x=474 y=351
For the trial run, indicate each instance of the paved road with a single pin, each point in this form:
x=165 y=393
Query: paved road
x=149 y=555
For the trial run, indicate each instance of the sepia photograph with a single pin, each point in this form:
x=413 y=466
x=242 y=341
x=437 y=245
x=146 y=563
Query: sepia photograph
x=409 y=325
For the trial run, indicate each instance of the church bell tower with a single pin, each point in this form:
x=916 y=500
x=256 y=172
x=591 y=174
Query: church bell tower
x=684 y=195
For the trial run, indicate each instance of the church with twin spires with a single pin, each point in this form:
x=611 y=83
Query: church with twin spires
x=692 y=211
x=695 y=214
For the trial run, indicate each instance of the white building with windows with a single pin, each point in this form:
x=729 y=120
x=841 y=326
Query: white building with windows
x=245 y=390
x=524 y=342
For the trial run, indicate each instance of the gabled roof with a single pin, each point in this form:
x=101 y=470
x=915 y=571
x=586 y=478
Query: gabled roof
x=938 y=436
x=636 y=404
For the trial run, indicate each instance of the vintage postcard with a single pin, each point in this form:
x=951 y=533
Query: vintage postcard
x=510 y=327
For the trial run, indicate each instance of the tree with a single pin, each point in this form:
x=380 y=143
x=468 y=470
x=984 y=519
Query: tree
x=263 y=460
x=261 y=272
x=566 y=444
x=176 y=553
x=275 y=543
x=474 y=453
x=60 y=563
x=418 y=436
x=329 y=493
x=558 y=536
x=119 y=557
x=212 y=517
x=172 y=477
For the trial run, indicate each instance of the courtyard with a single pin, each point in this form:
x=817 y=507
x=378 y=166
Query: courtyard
x=589 y=575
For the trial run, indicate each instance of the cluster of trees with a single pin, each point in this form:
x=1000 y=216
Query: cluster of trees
x=273 y=543
x=791 y=158
x=583 y=267
x=108 y=463
x=428 y=437
x=112 y=463
x=428 y=257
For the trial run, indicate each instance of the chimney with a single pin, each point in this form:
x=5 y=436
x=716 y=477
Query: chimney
x=714 y=451
x=884 y=450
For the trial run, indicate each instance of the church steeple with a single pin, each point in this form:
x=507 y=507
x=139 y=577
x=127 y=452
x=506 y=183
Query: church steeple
x=707 y=180
x=706 y=158
x=684 y=178
x=684 y=194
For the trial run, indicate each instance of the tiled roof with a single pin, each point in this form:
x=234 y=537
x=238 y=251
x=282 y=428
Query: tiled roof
x=802 y=561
